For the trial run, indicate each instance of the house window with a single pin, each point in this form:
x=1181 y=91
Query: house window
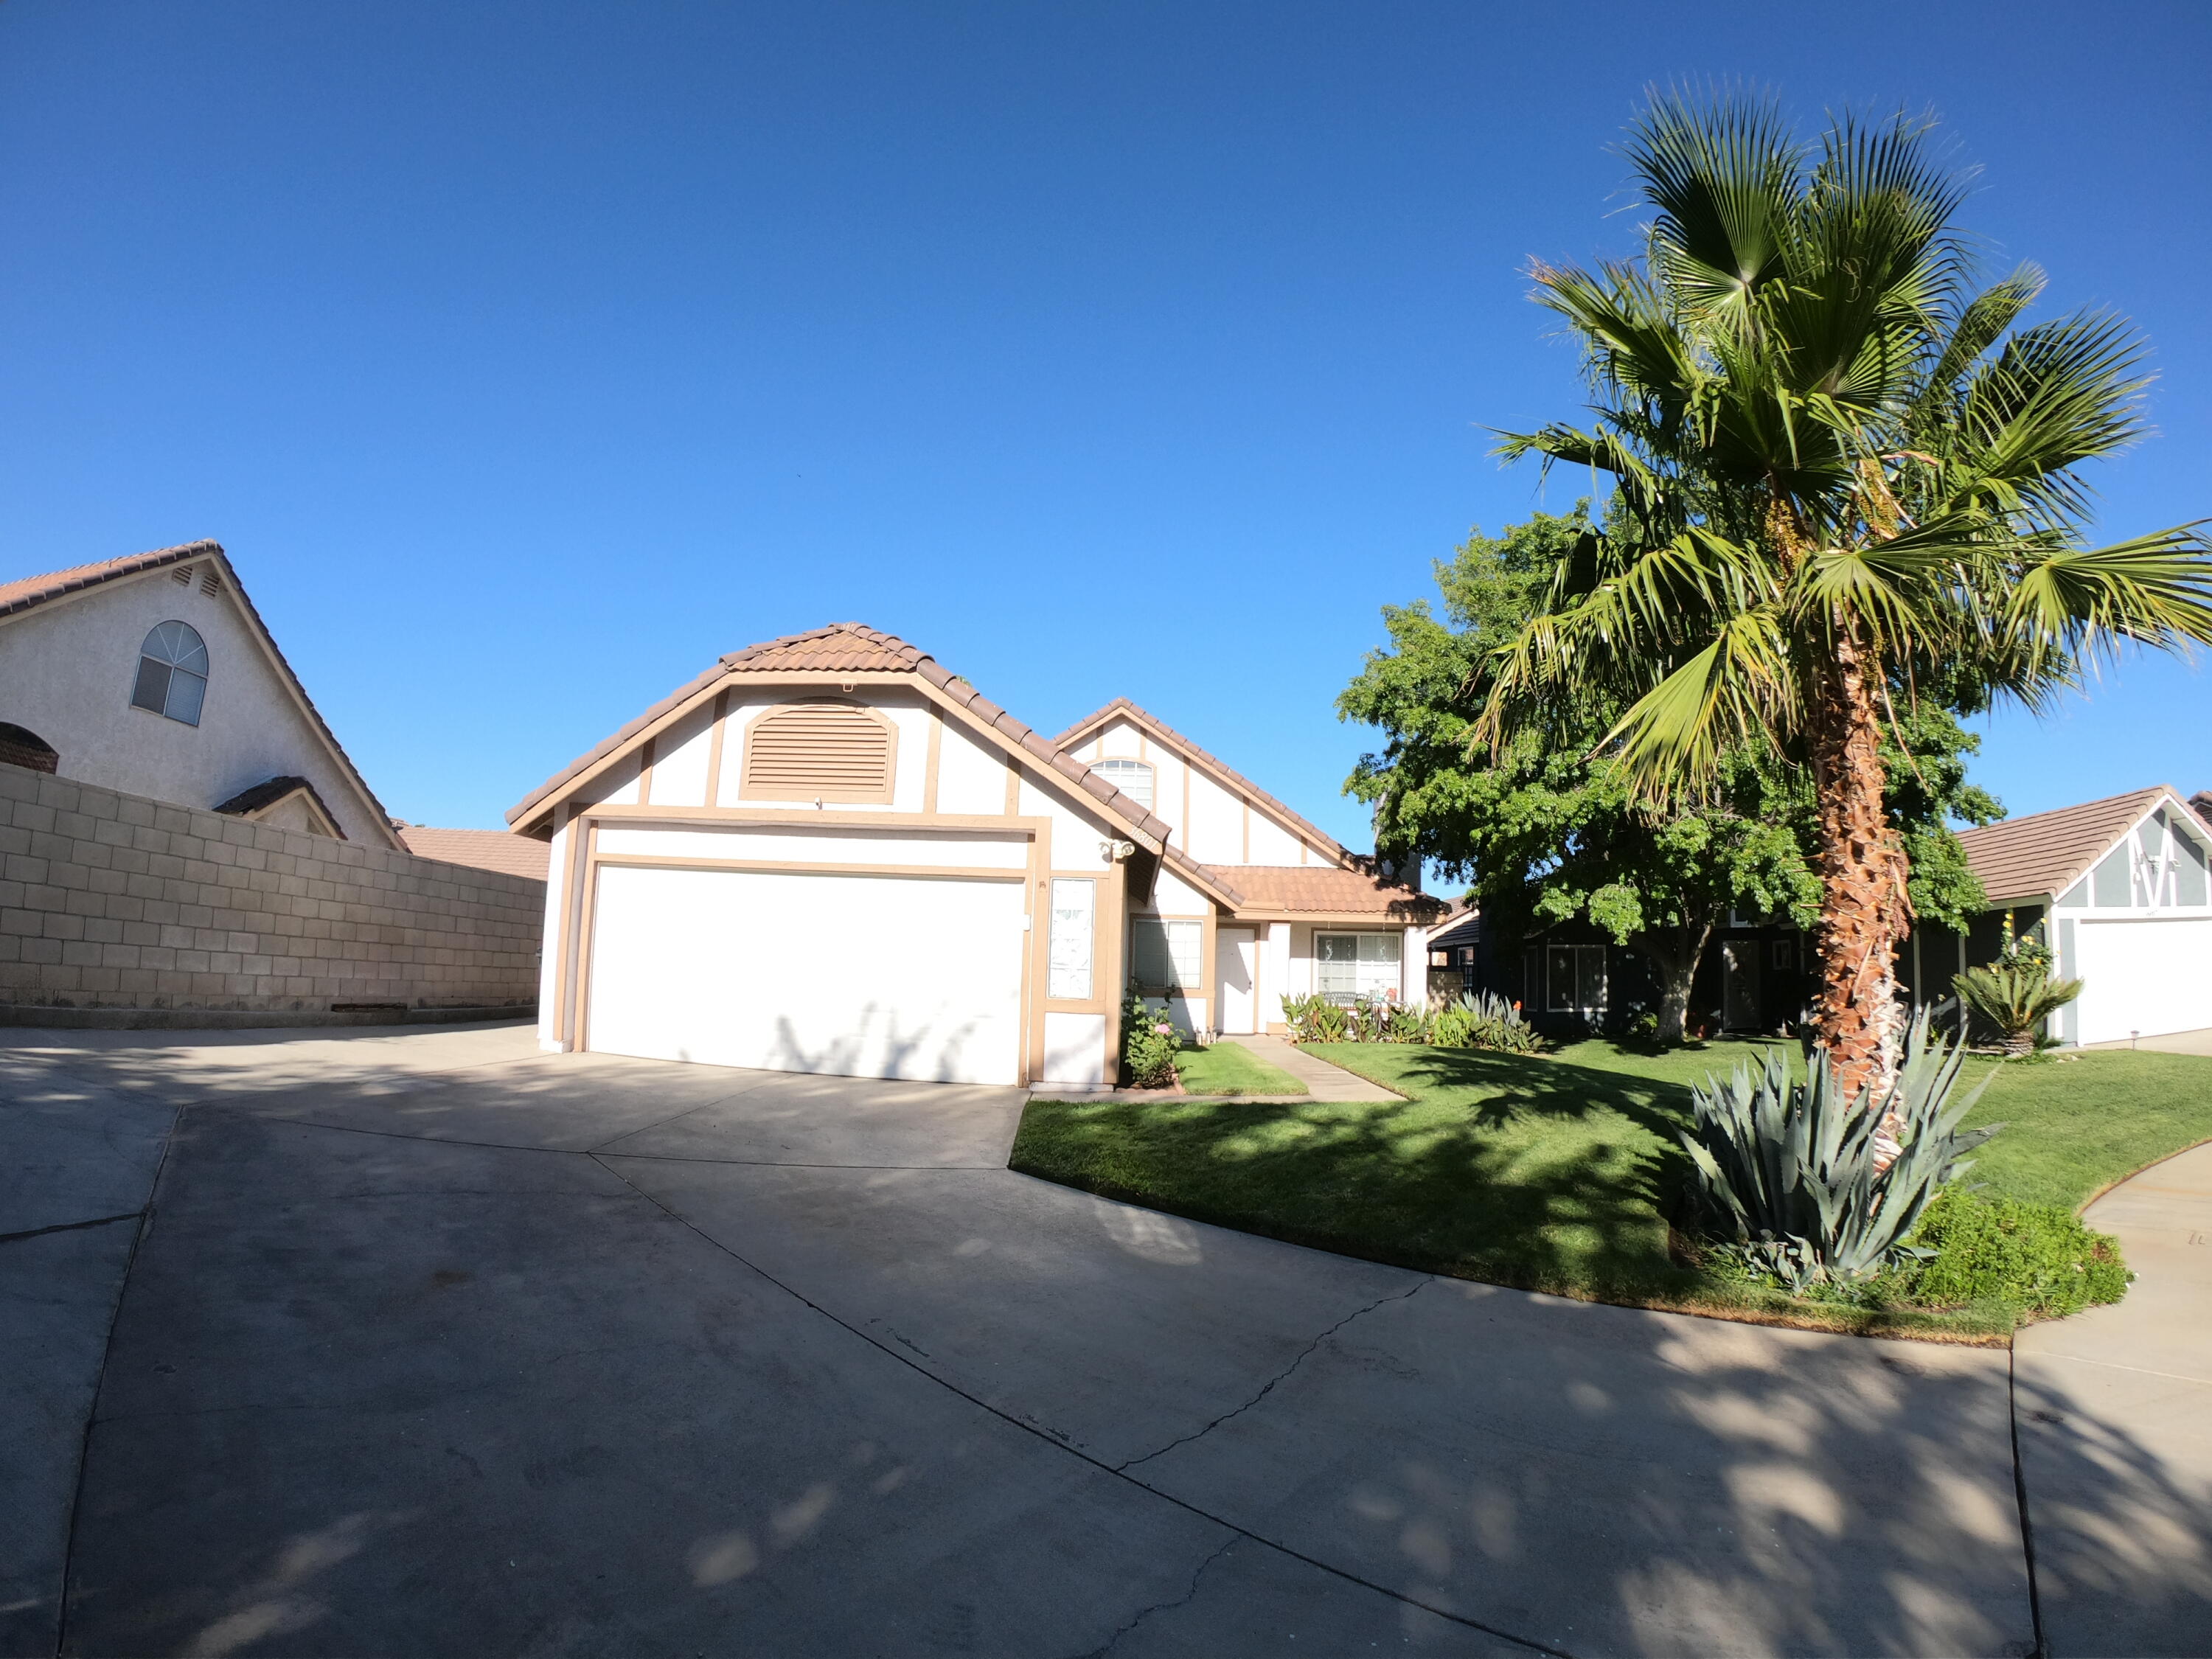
x=1576 y=973
x=1347 y=966
x=173 y=671
x=825 y=751
x=1132 y=778
x=1164 y=955
x=1074 y=917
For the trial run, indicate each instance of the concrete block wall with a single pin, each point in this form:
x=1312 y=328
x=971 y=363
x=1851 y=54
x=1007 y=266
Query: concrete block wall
x=114 y=900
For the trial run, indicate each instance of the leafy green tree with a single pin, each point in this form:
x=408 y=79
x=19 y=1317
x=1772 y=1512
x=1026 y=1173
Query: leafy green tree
x=1840 y=473
x=1545 y=829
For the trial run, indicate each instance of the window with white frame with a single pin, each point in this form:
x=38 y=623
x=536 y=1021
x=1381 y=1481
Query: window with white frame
x=1575 y=978
x=1348 y=966
x=173 y=673
x=1074 y=926
x=1133 y=777
x=1164 y=955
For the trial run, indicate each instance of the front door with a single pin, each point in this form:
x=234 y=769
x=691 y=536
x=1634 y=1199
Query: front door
x=1237 y=961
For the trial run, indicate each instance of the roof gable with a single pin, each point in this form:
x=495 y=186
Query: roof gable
x=29 y=594
x=1226 y=776
x=866 y=653
x=2046 y=853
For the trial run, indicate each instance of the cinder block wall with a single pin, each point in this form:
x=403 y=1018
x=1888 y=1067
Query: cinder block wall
x=114 y=901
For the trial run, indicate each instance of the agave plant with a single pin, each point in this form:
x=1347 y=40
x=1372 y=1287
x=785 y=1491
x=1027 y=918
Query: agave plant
x=1791 y=1172
x=2014 y=997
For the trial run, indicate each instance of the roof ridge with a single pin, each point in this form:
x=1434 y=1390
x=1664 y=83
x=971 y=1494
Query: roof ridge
x=25 y=592
x=2078 y=807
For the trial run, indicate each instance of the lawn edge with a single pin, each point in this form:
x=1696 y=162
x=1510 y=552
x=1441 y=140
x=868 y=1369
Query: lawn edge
x=1887 y=1326
x=2121 y=1180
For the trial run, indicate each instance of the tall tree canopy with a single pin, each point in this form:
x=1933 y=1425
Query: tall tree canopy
x=1547 y=828
x=1841 y=473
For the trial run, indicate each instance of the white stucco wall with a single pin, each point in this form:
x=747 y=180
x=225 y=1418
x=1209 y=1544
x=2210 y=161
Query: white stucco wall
x=66 y=672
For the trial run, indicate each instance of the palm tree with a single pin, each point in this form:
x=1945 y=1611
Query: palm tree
x=1843 y=478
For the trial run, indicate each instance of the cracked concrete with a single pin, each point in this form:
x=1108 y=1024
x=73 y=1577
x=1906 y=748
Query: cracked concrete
x=436 y=1345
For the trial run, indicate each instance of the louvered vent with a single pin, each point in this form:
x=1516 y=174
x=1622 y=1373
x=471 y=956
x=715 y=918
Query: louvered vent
x=825 y=751
x=182 y=574
x=210 y=583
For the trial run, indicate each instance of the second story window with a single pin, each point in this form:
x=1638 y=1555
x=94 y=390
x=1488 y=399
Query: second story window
x=172 y=670
x=1132 y=778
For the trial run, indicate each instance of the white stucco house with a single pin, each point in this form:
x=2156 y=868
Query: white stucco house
x=707 y=858
x=153 y=676
x=2124 y=887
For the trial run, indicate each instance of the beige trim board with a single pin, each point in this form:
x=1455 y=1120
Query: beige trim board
x=804 y=818
x=801 y=867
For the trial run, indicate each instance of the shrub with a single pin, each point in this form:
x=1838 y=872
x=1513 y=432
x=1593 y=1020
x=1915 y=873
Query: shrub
x=1148 y=1046
x=2014 y=999
x=1316 y=1019
x=1480 y=1020
x=1786 y=1173
x=2037 y=1258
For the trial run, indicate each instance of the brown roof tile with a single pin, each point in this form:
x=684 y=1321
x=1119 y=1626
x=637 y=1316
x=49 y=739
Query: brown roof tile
x=500 y=850
x=851 y=647
x=27 y=591
x=269 y=792
x=1317 y=889
x=1227 y=774
x=2049 y=852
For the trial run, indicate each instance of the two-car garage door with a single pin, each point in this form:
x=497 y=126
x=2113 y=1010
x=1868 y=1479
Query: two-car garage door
x=878 y=976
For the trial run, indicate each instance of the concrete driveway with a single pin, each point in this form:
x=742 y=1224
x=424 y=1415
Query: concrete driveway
x=430 y=1344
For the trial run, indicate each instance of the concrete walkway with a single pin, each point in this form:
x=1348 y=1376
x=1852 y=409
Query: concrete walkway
x=2115 y=1423
x=2173 y=1042
x=1323 y=1081
x=434 y=1344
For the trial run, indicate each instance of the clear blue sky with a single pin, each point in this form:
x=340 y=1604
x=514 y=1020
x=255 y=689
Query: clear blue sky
x=526 y=357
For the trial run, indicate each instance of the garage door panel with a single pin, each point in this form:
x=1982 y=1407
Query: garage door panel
x=2148 y=976
x=881 y=976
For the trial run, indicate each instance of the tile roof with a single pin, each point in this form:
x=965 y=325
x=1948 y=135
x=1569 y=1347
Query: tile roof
x=270 y=791
x=1157 y=726
x=854 y=648
x=26 y=592
x=2201 y=801
x=2049 y=852
x=500 y=850
x=1316 y=890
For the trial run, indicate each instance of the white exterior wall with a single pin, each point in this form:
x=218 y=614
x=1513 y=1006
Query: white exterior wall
x=66 y=672
x=971 y=778
x=679 y=761
x=1075 y=1050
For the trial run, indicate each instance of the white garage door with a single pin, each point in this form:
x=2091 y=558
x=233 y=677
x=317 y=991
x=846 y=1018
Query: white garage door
x=2147 y=976
x=888 y=976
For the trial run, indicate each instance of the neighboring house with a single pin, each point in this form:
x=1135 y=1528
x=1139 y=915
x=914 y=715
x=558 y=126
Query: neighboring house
x=1455 y=953
x=183 y=842
x=702 y=856
x=480 y=849
x=155 y=676
x=2121 y=886
x=2125 y=887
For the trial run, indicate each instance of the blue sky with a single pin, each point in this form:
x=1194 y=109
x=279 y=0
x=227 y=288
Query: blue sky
x=526 y=358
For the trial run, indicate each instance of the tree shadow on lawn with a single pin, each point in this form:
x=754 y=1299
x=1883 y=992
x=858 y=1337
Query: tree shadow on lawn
x=1528 y=1173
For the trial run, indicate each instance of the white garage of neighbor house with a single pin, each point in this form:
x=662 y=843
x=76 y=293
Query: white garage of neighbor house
x=710 y=860
x=2125 y=885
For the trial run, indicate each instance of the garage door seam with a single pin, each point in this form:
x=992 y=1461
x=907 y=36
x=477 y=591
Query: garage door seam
x=1054 y=1441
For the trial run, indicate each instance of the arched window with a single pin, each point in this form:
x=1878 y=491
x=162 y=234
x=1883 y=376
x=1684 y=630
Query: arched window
x=173 y=668
x=1132 y=778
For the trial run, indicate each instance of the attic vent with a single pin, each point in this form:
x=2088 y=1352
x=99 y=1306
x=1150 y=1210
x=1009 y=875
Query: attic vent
x=182 y=575
x=829 y=751
x=210 y=583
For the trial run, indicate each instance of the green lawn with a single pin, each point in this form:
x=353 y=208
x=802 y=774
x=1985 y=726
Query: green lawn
x=1227 y=1069
x=1555 y=1173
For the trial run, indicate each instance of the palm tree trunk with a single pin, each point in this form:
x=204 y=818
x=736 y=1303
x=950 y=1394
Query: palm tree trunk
x=1864 y=909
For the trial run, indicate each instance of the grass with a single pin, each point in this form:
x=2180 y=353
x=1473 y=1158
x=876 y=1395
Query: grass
x=1227 y=1069
x=1556 y=1173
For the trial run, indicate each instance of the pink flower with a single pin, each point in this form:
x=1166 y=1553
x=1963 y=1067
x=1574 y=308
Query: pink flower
x=1162 y=1029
